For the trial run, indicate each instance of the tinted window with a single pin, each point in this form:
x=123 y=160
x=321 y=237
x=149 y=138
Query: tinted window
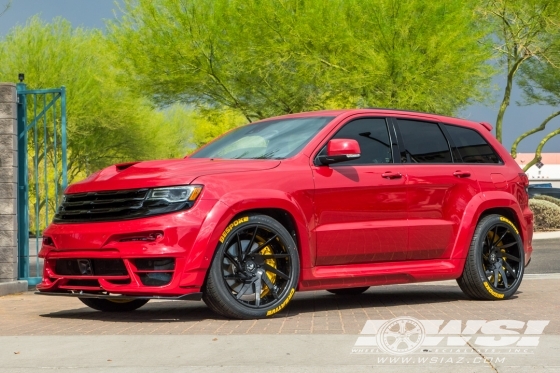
x=273 y=139
x=471 y=145
x=424 y=142
x=372 y=136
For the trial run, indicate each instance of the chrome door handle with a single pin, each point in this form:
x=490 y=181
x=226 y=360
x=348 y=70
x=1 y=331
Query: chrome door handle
x=390 y=175
x=461 y=174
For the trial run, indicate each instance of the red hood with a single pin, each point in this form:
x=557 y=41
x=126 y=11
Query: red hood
x=164 y=173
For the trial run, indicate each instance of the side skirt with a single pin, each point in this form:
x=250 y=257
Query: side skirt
x=375 y=274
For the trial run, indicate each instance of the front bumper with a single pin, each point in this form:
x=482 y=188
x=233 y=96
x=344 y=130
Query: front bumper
x=125 y=257
x=192 y=296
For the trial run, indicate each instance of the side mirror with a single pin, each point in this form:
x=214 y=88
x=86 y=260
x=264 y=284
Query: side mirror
x=340 y=150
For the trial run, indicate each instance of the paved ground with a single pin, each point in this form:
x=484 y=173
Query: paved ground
x=309 y=313
x=317 y=333
x=546 y=256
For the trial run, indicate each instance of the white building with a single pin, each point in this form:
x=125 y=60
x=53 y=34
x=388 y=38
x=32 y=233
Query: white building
x=549 y=172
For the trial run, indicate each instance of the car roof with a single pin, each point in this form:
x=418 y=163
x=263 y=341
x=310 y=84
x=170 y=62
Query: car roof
x=386 y=112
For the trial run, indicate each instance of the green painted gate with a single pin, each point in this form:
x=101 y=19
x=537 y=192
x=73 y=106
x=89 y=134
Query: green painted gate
x=42 y=170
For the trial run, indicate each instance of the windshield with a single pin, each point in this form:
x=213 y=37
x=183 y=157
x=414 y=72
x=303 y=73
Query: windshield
x=274 y=139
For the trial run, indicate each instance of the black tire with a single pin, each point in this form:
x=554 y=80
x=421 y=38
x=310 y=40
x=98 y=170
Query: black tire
x=256 y=255
x=496 y=261
x=107 y=305
x=348 y=291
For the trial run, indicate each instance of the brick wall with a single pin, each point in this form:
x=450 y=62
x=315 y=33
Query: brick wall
x=8 y=182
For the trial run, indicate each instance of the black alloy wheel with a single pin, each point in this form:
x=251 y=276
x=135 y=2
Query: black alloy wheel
x=255 y=269
x=495 y=264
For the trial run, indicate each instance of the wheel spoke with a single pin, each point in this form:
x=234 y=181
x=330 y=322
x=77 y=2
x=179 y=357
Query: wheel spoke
x=511 y=257
x=495 y=278
x=487 y=241
x=276 y=272
x=239 y=252
x=495 y=235
x=488 y=273
x=508 y=245
x=244 y=289
x=510 y=270
x=503 y=235
x=233 y=261
x=258 y=288
x=504 y=278
x=263 y=245
x=247 y=250
x=270 y=285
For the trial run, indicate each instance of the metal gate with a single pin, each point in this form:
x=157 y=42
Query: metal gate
x=42 y=165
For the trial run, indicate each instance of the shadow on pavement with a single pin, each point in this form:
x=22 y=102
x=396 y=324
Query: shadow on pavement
x=303 y=303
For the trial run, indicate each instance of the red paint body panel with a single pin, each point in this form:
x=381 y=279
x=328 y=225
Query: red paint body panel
x=353 y=225
x=361 y=216
x=436 y=202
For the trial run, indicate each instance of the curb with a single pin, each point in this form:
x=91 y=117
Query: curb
x=546 y=235
x=12 y=287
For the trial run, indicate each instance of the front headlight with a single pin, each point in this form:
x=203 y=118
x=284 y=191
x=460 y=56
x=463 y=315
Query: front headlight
x=169 y=199
x=176 y=194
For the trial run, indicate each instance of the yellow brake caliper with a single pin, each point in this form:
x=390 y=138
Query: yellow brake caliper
x=271 y=276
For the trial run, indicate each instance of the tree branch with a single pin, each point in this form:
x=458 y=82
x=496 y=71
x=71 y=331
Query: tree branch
x=538 y=152
x=532 y=131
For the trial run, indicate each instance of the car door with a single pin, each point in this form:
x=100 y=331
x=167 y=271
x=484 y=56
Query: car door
x=439 y=190
x=360 y=205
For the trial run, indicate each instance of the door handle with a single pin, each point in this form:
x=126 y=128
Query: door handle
x=462 y=174
x=390 y=175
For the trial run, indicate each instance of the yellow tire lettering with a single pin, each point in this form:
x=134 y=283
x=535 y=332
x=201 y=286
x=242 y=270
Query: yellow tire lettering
x=284 y=304
x=231 y=226
x=505 y=220
x=492 y=292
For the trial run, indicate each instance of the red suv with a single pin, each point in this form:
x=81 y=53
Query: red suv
x=331 y=200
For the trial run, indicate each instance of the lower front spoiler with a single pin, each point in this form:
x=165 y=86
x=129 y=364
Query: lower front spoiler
x=191 y=296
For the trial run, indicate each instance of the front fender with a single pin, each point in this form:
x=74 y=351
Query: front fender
x=233 y=204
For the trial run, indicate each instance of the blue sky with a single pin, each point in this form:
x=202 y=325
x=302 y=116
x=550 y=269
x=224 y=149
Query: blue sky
x=93 y=13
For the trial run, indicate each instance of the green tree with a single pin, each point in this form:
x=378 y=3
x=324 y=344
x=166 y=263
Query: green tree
x=523 y=30
x=540 y=82
x=270 y=57
x=106 y=122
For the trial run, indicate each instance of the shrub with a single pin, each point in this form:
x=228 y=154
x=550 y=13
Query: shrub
x=547 y=214
x=556 y=201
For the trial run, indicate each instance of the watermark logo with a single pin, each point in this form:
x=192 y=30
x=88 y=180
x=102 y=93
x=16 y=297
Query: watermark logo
x=407 y=335
x=401 y=335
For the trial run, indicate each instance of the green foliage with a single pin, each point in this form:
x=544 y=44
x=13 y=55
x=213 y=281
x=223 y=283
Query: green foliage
x=107 y=122
x=523 y=31
x=263 y=58
x=540 y=81
x=207 y=127
x=556 y=201
x=547 y=215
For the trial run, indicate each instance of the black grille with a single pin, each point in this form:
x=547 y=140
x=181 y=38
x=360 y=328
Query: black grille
x=112 y=206
x=91 y=267
x=99 y=206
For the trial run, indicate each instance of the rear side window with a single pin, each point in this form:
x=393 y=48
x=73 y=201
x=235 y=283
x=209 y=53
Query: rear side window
x=424 y=142
x=472 y=146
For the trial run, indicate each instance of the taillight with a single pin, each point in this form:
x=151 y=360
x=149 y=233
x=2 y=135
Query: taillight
x=524 y=181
